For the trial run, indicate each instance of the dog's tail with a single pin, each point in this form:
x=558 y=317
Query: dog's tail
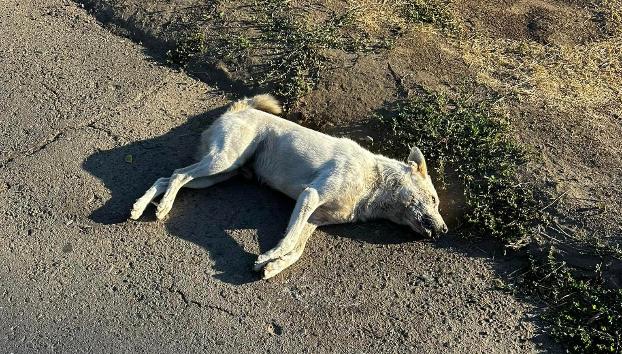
x=264 y=102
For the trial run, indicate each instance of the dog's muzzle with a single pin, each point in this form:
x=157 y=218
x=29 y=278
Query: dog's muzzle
x=432 y=229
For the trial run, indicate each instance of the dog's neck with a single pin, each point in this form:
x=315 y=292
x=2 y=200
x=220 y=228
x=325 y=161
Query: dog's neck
x=379 y=202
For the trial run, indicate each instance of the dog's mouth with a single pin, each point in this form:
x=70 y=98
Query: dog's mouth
x=424 y=230
x=431 y=233
x=428 y=233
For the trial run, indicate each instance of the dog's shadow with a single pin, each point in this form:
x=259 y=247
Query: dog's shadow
x=206 y=217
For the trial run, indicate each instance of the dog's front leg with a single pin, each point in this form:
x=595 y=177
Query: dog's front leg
x=274 y=267
x=306 y=204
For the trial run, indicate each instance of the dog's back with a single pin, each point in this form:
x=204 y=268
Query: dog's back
x=285 y=155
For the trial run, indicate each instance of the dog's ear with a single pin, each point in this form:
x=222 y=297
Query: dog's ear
x=417 y=161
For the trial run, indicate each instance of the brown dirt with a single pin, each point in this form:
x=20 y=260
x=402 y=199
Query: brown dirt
x=350 y=91
x=542 y=21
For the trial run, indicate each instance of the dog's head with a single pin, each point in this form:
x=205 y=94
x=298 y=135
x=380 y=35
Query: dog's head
x=415 y=199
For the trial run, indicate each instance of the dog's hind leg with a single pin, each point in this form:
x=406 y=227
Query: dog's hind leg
x=306 y=204
x=183 y=176
x=225 y=155
x=159 y=187
x=141 y=203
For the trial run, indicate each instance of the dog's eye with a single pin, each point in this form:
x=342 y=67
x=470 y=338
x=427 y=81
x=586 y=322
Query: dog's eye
x=433 y=199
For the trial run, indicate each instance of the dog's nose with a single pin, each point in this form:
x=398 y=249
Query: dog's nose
x=444 y=229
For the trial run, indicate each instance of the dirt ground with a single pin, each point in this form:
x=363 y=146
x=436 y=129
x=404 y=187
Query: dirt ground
x=90 y=121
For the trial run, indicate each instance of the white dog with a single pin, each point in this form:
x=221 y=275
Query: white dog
x=333 y=180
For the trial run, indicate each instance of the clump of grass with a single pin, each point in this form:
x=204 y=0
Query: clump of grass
x=429 y=12
x=469 y=142
x=377 y=16
x=194 y=41
x=192 y=45
x=294 y=51
x=584 y=315
x=611 y=11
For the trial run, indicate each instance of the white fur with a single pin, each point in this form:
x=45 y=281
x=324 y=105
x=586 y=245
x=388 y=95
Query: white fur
x=333 y=180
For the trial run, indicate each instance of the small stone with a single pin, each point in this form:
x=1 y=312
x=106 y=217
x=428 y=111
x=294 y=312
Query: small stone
x=67 y=248
x=425 y=278
x=274 y=329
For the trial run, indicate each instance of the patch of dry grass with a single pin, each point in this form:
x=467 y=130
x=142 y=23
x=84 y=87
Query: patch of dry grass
x=567 y=77
x=612 y=13
x=377 y=20
x=377 y=17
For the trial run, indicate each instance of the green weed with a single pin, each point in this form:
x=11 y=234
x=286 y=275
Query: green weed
x=192 y=45
x=584 y=315
x=469 y=142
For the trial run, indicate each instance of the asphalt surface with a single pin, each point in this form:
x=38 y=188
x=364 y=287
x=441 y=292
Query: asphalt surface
x=89 y=121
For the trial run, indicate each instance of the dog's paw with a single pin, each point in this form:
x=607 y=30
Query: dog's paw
x=137 y=210
x=259 y=264
x=135 y=214
x=162 y=211
x=272 y=268
x=270 y=265
x=264 y=258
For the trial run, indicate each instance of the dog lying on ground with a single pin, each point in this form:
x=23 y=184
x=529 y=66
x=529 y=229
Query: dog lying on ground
x=333 y=180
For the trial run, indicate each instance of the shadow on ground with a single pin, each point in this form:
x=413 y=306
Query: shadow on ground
x=204 y=217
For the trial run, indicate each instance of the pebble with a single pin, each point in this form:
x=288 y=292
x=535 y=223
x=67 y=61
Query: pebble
x=274 y=329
